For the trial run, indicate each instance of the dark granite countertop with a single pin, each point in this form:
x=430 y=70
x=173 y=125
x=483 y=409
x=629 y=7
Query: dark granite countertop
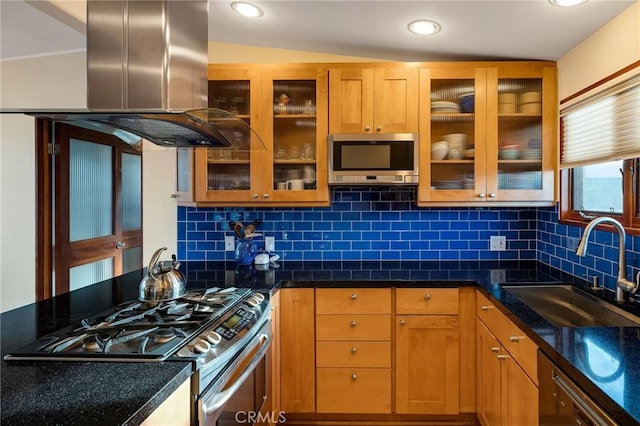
x=79 y=393
x=69 y=393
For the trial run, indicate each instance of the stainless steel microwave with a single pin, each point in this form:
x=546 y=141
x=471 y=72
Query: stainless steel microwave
x=383 y=158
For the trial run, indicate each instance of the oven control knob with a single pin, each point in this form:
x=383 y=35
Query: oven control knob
x=252 y=301
x=201 y=346
x=213 y=337
x=258 y=296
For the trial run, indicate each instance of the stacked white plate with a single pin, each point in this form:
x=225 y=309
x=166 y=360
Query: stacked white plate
x=520 y=180
x=448 y=184
x=531 y=154
x=444 y=106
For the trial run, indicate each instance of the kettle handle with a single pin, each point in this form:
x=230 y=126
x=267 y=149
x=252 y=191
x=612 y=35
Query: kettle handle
x=153 y=261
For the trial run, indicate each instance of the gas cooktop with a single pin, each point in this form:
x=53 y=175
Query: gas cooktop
x=136 y=331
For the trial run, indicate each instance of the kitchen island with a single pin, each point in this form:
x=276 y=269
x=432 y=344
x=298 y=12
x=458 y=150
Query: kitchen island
x=109 y=393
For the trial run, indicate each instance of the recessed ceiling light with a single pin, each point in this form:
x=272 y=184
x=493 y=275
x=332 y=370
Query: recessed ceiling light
x=247 y=9
x=424 y=27
x=567 y=3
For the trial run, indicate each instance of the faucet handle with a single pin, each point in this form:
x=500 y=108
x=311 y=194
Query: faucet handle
x=595 y=282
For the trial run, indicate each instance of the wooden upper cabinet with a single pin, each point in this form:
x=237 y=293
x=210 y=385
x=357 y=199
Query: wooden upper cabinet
x=497 y=125
x=286 y=164
x=373 y=100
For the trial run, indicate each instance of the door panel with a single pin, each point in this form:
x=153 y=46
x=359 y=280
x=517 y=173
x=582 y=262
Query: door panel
x=97 y=208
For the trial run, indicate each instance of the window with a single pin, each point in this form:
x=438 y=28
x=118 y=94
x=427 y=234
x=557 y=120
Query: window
x=600 y=151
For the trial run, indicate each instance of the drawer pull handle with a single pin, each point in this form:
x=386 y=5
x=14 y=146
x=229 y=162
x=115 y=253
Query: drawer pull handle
x=354 y=296
x=402 y=322
x=495 y=349
x=501 y=357
x=427 y=296
x=354 y=376
x=354 y=350
x=514 y=339
x=485 y=307
x=353 y=323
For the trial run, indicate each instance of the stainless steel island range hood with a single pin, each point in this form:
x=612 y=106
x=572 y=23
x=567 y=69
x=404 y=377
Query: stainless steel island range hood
x=147 y=76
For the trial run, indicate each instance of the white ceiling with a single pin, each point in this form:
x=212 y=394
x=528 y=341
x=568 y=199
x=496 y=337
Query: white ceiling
x=473 y=29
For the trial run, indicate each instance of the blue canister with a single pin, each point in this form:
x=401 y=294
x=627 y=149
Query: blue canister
x=467 y=102
x=245 y=252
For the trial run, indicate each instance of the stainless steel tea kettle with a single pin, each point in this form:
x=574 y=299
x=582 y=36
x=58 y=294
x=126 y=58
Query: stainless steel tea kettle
x=163 y=280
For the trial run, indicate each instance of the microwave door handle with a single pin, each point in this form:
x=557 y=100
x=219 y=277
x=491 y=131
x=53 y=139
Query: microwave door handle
x=221 y=398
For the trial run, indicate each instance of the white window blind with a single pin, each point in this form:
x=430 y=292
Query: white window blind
x=603 y=127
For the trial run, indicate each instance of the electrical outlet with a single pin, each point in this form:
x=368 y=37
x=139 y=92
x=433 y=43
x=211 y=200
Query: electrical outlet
x=497 y=243
x=498 y=276
x=229 y=243
x=269 y=244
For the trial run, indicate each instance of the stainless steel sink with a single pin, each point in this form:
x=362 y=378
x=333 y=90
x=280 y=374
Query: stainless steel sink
x=568 y=306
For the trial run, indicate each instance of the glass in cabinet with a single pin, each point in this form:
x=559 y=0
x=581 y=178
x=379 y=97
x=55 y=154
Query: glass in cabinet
x=452 y=163
x=521 y=133
x=296 y=124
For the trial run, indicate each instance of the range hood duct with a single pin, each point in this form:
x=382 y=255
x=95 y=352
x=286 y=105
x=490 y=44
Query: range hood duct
x=147 y=76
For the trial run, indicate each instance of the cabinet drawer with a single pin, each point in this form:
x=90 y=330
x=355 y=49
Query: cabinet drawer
x=353 y=390
x=353 y=301
x=518 y=344
x=353 y=354
x=353 y=327
x=437 y=301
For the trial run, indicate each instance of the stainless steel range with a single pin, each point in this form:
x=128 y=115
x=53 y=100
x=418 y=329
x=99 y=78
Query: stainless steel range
x=226 y=332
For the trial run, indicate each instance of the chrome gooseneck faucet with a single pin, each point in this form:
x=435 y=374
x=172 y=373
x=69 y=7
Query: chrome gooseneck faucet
x=622 y=284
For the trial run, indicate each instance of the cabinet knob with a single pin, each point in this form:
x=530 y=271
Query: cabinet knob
x=495 y=349
x=481 y=195
x=492 y=195
x=367 y=128
x=265 y=195
x=354 y=350
x=402 y=322
x=502 y=357
x=354 y=376
x=353 y=323
x=514 y=339
x=485 y=307
x=254 y=196
x=354 y=296
x=379 y=129
x=427 y=296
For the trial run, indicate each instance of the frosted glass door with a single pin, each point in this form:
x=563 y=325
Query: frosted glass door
x=90 y=190
x=98 y=208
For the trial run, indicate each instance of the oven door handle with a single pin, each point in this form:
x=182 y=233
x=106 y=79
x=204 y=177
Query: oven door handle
x=221 y=398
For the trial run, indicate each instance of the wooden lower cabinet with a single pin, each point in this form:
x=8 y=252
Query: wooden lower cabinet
x=489 y=377
x=354 y=390
x=519 y=396
x=507 y=396
x=175 y=410
x=427 y=364
x=297 y=350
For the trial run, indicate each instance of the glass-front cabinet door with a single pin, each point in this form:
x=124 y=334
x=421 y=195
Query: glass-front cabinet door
x=227 y=174
x=296 y=124
x=488 y=134
x=453 y=136
x=521 y=135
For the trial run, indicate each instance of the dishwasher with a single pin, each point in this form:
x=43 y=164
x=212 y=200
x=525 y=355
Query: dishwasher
x=562 y=402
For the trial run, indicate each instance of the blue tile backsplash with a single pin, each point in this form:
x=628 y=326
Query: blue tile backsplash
x=385 y=224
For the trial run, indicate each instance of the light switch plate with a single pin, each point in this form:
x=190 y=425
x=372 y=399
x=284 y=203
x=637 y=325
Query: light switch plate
x=229 y=243
x=497 y=243
x=269 y=244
